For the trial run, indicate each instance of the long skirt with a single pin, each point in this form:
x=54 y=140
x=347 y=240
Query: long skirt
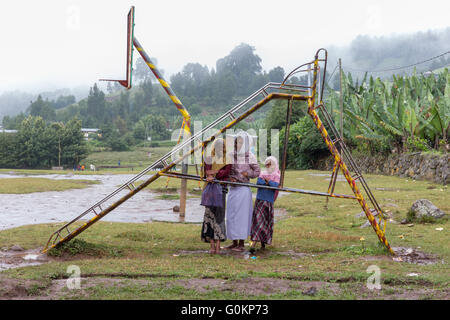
x=214 y=223
x=239 y=213
x=262 y=222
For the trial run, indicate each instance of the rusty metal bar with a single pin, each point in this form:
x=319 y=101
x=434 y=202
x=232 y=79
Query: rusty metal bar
x=252 y=185
x=165 y=85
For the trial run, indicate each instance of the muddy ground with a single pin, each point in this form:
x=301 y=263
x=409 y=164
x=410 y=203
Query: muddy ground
x=11 y=289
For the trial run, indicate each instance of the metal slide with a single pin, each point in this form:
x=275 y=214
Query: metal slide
x=199 y=140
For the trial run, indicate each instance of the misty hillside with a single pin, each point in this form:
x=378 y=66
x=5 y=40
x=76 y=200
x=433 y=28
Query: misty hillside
x=364 y=53
x=367 y=53
x=14 y=102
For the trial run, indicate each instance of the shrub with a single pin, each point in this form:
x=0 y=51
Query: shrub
x=305 y=144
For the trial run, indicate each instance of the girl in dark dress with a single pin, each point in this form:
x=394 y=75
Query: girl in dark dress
x=213 y=197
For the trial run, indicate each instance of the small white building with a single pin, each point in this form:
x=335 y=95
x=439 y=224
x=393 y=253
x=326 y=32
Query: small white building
x=7 y=131
x=87 y=131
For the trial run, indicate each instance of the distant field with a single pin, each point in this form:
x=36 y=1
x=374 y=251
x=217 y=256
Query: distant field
x=139 y=157
x=136 y=160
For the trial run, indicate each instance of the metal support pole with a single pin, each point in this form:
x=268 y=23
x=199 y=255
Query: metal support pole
x=165 y=85
x=309 y=80
x=341 y=102
x=286 y=140
x=180 y=107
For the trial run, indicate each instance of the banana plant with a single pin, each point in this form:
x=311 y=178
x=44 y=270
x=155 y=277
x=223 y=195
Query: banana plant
x=408 y=107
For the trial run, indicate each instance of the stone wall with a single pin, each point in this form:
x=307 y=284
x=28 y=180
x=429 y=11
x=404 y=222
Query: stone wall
x=415 y=165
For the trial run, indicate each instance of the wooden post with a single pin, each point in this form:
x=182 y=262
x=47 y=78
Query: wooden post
x=183 y=191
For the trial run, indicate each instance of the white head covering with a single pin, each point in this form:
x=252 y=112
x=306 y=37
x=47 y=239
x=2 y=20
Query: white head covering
x=272 y=172
x=245 y=148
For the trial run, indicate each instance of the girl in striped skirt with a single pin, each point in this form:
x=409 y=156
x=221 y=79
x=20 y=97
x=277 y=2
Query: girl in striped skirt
x=263 y=216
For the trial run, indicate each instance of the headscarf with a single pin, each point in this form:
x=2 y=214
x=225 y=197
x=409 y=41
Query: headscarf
x=217 y=161
x=245 y=148
x=272 y=172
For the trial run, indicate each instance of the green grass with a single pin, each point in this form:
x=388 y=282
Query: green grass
x=148 y=258
x=79 y=246
x=29 y=185
x=138 y=158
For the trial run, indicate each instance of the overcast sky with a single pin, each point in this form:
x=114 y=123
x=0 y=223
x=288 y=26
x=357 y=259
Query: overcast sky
x=62 y=43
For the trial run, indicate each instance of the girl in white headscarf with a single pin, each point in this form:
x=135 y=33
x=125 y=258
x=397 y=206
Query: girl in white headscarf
x=240 y=204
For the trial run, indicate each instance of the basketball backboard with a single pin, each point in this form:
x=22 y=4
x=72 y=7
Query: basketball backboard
x=130 y=34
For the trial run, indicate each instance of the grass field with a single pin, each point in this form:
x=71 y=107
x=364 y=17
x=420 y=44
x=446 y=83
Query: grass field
x=139 y=157
x=136 y=160
x=29 y=185
x=313 y=247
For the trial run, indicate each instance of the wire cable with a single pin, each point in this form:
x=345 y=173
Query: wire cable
x=399 y=68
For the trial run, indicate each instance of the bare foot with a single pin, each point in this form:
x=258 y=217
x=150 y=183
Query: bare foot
x=231 y=246
x=238 y=249
x=212 y=251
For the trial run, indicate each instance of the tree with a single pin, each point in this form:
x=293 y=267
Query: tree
x=240 y=60
x=139 y=131
x=96 y=106
x=243 y=64
x=305 y=144
x=276 y=75
x=63 y=101
x=73 y=145
x=142 y=70
x=276 y=117
x=38 y=145
x=31 y=144
x=42 y=109
x=8 y=150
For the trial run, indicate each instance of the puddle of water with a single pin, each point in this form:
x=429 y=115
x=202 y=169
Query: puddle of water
x=60 y=206
x=31 y=257
x=17 y=259
x=414 y=256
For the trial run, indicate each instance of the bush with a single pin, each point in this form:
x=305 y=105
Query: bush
x=417 y=144
x=79 y=246
x=411 y=217
x=305 y=144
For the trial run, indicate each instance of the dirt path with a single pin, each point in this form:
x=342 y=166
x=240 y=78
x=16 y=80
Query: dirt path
x=13 y=289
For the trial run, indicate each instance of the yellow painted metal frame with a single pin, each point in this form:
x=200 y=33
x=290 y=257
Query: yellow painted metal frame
x=52 y=242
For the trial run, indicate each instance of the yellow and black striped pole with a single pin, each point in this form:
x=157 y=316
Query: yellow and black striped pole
x=165 y=85
x=186 y=126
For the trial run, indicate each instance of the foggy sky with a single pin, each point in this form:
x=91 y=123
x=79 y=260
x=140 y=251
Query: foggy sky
x=54 y=44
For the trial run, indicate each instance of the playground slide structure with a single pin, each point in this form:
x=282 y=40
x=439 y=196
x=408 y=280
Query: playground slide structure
x=197 y=142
